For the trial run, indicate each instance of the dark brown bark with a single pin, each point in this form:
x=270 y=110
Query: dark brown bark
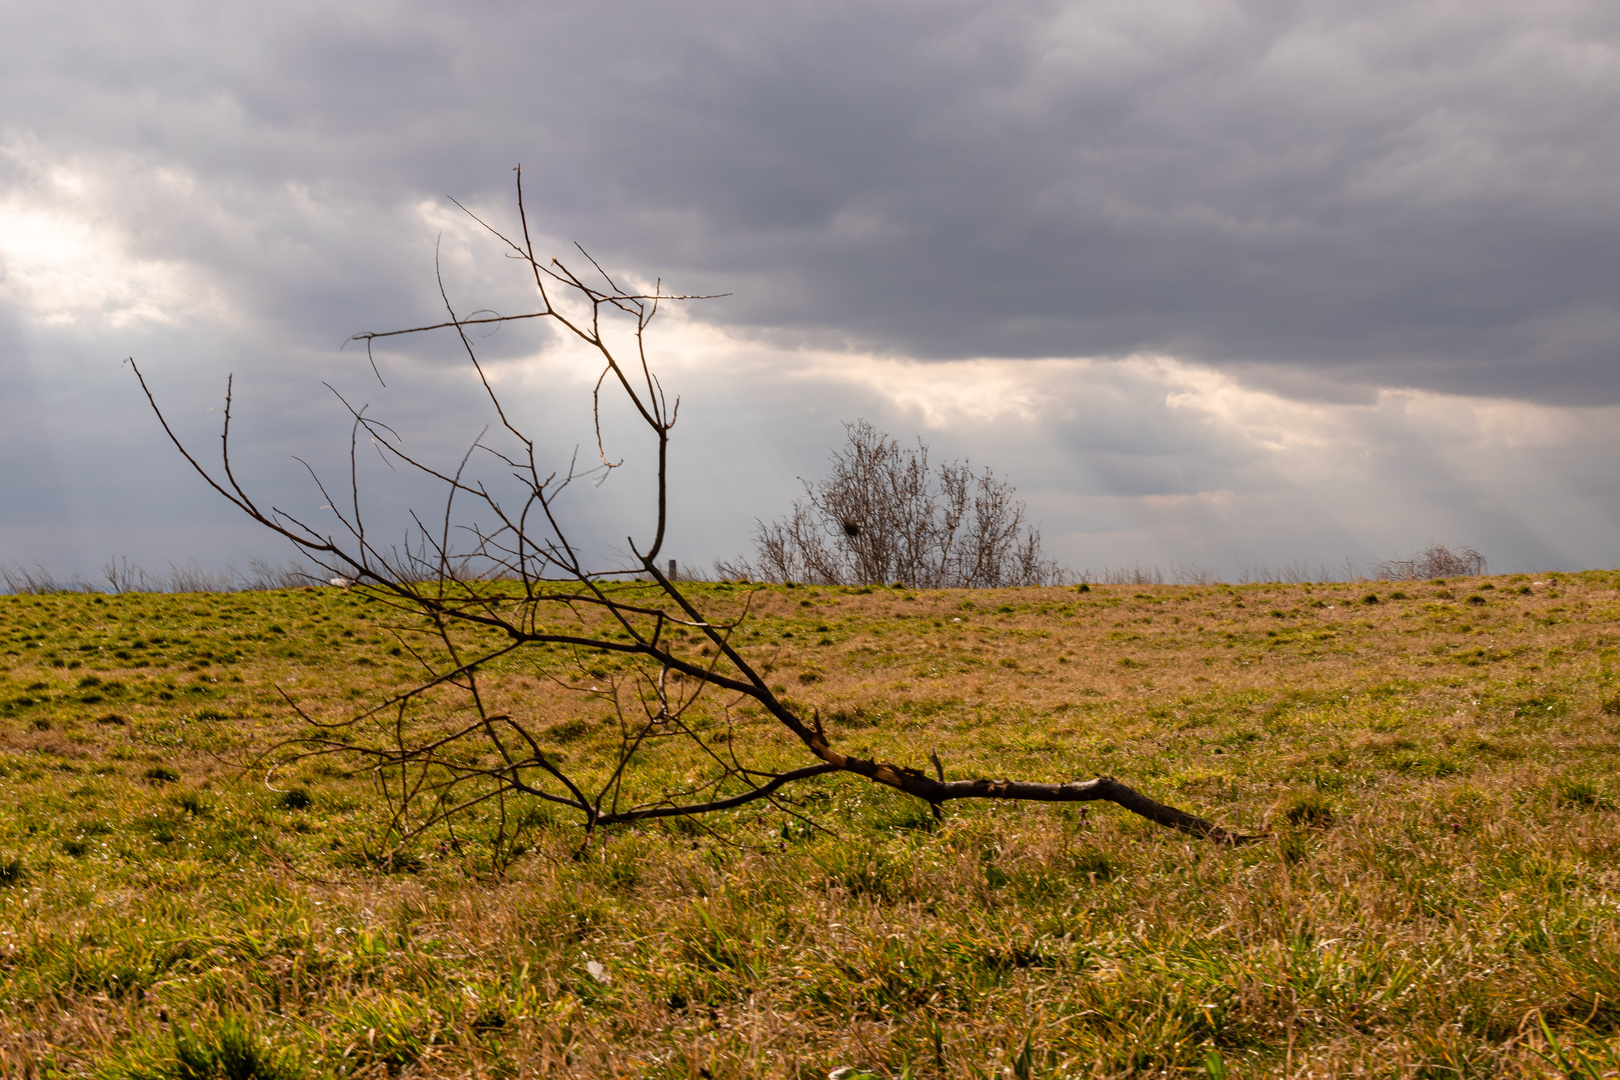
x=1103 y=789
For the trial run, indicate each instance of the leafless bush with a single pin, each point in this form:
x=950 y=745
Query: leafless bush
x=38 y=581
x=191 y=577
x=882 y=515
x=1296 y=573
x=1293 y=573
x=495 y=578
x=687 y=572
x=123 y=576
x=1135 y=574
x=264 y=576
x=1192 y=574
x=1439 y=561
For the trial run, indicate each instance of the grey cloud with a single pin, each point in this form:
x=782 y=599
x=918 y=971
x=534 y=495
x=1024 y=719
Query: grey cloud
x=1396 y=194
x=1414 y=196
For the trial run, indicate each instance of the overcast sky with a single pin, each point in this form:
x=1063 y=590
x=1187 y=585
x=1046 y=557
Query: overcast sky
x=1227 y=284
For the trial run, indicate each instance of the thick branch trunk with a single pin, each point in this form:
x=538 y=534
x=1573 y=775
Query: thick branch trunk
x=1104 y=789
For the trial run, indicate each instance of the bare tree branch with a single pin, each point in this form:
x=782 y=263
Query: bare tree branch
x=496 y=576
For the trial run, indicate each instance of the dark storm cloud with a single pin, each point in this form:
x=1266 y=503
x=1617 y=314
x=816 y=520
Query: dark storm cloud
x=1325 y=196
x=1395 y=196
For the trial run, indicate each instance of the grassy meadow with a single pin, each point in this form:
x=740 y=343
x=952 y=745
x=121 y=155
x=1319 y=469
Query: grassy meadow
x=1435 y=764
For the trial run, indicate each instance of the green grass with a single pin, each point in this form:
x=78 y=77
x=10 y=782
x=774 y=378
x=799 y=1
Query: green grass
x=1437 y=897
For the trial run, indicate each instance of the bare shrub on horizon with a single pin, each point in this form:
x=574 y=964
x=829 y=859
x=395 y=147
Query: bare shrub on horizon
x=265 y=576
x=1438 y=561
x=123 y=576
x=1294 y=573
x=884 y=515
x=37 y=581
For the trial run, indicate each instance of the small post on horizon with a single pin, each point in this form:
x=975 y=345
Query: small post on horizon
x=672 y=574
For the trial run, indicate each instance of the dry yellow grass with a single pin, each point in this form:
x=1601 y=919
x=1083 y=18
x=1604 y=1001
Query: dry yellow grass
x=1437 y=898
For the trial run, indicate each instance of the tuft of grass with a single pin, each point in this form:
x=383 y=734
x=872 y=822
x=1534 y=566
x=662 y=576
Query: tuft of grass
x=1310 y=809
x=194 y=803
x=228 y=1048
x=1093 y=864
x=1584 y=793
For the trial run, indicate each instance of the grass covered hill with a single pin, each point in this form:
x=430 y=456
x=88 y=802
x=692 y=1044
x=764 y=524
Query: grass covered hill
x=1435 y=764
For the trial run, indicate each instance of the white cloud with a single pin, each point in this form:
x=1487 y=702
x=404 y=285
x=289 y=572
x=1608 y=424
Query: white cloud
x=66 y=261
